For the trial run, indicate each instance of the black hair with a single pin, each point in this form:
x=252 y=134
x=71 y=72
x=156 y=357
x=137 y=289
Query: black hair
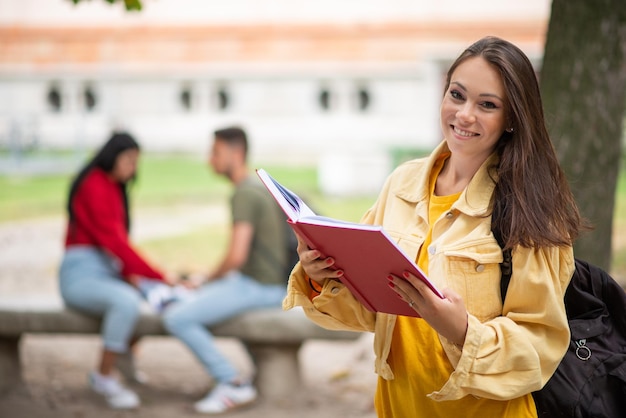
x=105 y=159
x=233 y=136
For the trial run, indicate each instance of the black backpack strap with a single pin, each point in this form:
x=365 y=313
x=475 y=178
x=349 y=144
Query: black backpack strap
x=506 y=267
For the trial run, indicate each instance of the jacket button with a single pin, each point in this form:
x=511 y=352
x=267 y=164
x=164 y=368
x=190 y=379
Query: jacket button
x=432 y=250
x=449 y=215
x=480 y=268
x=334 y=290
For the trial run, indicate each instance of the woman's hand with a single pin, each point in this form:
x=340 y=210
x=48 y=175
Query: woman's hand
x=171 y=278
x=447 y=316
x=194 y=280
x=133 y=280
x=316 y=266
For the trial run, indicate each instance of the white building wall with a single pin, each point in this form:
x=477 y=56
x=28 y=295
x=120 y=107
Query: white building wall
x=278 y=104
x=283 y=115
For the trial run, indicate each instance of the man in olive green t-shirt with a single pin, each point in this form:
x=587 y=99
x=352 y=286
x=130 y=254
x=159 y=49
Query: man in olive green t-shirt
x=249 y=276
x=252 y=204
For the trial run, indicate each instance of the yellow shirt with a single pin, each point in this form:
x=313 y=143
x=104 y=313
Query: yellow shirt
x=420 y=364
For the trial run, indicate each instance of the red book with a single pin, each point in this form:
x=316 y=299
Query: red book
x=365 y=253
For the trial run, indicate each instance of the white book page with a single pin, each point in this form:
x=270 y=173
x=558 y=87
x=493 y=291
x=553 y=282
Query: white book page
x=336 y=223
x=292 y=205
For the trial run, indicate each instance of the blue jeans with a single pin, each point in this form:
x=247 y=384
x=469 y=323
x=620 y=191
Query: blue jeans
x=215 y=302
x=90 y=282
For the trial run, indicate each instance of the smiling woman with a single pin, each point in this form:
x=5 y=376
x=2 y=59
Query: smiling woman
x=467 y=354
x=473 y=116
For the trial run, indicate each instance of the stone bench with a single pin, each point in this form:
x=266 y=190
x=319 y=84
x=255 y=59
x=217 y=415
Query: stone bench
x=273 y=338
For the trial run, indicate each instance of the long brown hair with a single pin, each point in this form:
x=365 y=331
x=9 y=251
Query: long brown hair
x=533 y=205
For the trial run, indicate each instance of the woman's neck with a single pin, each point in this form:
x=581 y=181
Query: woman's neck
x=455 y=175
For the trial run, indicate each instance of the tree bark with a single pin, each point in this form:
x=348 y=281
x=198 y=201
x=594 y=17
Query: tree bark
x=583 y=84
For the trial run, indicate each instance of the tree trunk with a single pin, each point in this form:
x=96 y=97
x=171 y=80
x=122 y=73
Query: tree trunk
x=583 y=84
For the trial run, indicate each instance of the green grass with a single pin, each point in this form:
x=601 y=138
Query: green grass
x=201 y=249
x=161 y=180
x=196 y=251
x=621 y=189
x=184 y=179
x=166 y=180
x=24 y=197
x=618 y=267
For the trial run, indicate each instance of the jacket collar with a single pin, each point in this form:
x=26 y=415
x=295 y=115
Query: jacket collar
x=475 y=199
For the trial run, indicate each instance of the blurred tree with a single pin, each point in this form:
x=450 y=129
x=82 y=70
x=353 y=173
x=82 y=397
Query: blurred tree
x=583 y=83
x=130 y=4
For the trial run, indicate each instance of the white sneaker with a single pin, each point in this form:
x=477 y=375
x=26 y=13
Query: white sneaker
x=225 y=397
x=116 y=395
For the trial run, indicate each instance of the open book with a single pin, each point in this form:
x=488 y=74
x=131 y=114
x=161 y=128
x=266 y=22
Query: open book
x=365 y=253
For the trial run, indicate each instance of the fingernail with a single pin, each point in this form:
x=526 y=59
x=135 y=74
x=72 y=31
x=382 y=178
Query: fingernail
x=406 y=274
x=390 y=278
x=340 y=273
x=391 y=284
x=329 y=261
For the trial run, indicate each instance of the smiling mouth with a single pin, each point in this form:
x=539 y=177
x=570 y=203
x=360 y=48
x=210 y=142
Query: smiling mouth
x=461 y=132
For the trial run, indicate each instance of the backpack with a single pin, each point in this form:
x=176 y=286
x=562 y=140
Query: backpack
x=590 y=381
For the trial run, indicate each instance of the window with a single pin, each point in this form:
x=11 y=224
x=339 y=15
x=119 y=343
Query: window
x=363 y=99
x=223 y=98
x=185 y=98
x=89 y=98
x=324 y=99
x=54 y=99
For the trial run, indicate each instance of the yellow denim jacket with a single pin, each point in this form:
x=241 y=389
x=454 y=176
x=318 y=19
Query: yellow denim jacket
x=509 y=351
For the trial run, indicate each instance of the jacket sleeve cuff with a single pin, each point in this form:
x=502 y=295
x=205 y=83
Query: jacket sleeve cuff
x=334 y=308
x=461 y=359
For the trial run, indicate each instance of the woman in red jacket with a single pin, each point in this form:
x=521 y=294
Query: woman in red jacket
x=100 y=267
